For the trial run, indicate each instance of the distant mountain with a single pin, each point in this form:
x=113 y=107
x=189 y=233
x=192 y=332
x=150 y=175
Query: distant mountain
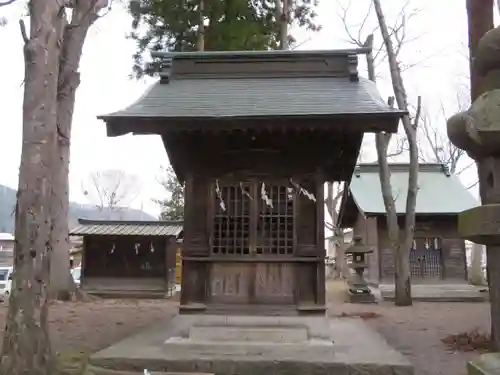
x=76 y=211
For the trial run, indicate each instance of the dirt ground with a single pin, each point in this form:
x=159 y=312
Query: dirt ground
x=415 y=331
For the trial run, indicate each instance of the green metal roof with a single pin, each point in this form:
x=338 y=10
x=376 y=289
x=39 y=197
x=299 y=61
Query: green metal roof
x=439 y=192
x=213 y=98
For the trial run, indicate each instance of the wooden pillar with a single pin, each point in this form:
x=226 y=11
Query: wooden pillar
x=309 y=227
x=320 y=239
x=306 y=221
x=195 y=244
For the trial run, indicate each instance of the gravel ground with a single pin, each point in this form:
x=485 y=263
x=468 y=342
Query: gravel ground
x=415 y=331
x=91 y=326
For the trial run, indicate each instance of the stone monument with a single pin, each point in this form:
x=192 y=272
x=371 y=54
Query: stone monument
x=477 y=131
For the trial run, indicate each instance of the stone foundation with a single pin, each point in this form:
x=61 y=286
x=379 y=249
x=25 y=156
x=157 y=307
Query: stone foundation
x=249 y=345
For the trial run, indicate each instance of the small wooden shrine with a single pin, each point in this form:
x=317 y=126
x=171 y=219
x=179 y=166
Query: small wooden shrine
x=128 y=257
x=254 y=136
x=438 y=252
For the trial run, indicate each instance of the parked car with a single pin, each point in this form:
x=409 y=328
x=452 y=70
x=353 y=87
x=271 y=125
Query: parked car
x=5 y=282
x=76 y=273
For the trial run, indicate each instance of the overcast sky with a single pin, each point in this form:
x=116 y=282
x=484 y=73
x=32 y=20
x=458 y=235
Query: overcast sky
x=437 y=50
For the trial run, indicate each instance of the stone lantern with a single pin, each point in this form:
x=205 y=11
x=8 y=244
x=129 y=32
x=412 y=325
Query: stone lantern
x=358 y=290
x=477 y=131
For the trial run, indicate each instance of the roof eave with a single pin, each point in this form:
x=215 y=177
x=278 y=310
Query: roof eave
x=389 y=120
x=345 y=197
x=83 y=234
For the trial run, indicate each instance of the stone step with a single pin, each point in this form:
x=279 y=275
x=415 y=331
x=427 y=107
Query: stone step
x=136 y=294
x=245 y=334
x=96 y=370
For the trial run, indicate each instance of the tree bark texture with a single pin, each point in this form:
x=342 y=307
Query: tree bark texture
x=382 y=141
x=476 y=276
x=26 y=346
x=331 y=203
x=83 y=15
x=480 y=21
x=282 y=8
x=201 y=27
x=402 y=253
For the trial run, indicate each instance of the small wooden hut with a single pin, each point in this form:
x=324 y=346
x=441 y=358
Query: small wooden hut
x=438 y=253
x=128 y=257
x=255 y=135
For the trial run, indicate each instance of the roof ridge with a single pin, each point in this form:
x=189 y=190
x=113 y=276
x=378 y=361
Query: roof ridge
x=280 y=64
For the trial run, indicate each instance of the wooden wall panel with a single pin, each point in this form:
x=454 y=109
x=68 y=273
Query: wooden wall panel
x=230 y=283
x=274 y=283
x=306 y=222
x=197 y=195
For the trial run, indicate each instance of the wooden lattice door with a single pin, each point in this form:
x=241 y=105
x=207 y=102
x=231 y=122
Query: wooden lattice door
x=426 y=258
x=253 y=229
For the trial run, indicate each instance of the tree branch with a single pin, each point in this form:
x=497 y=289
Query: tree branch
x=24 y=34
x=474 y=184
x=8 y=2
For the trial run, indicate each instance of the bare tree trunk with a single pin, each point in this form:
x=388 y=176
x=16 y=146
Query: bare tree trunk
x=331 y=202
x=476 y=276
x=26 y=345
x=83 y=15
x=282 y=8
x=201 y=28
x=341 y=270
x=402 y=269
x=401 y=266
x=475 y=273
x=382 y=143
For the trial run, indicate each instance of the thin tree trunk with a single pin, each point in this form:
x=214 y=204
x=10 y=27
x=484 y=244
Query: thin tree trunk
x=201 y=27
x=476 y=276
x=284 y=25
x=282 y=8
x=402 y=269
x=26 y=345
x=83 y=15
x=338 y=234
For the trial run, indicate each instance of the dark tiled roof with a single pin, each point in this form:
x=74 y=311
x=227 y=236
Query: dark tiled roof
x=258 y=84
x=126 y=228
x=212 y=98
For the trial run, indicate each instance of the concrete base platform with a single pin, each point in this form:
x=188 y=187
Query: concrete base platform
x=458 y=292
x=223 y=345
